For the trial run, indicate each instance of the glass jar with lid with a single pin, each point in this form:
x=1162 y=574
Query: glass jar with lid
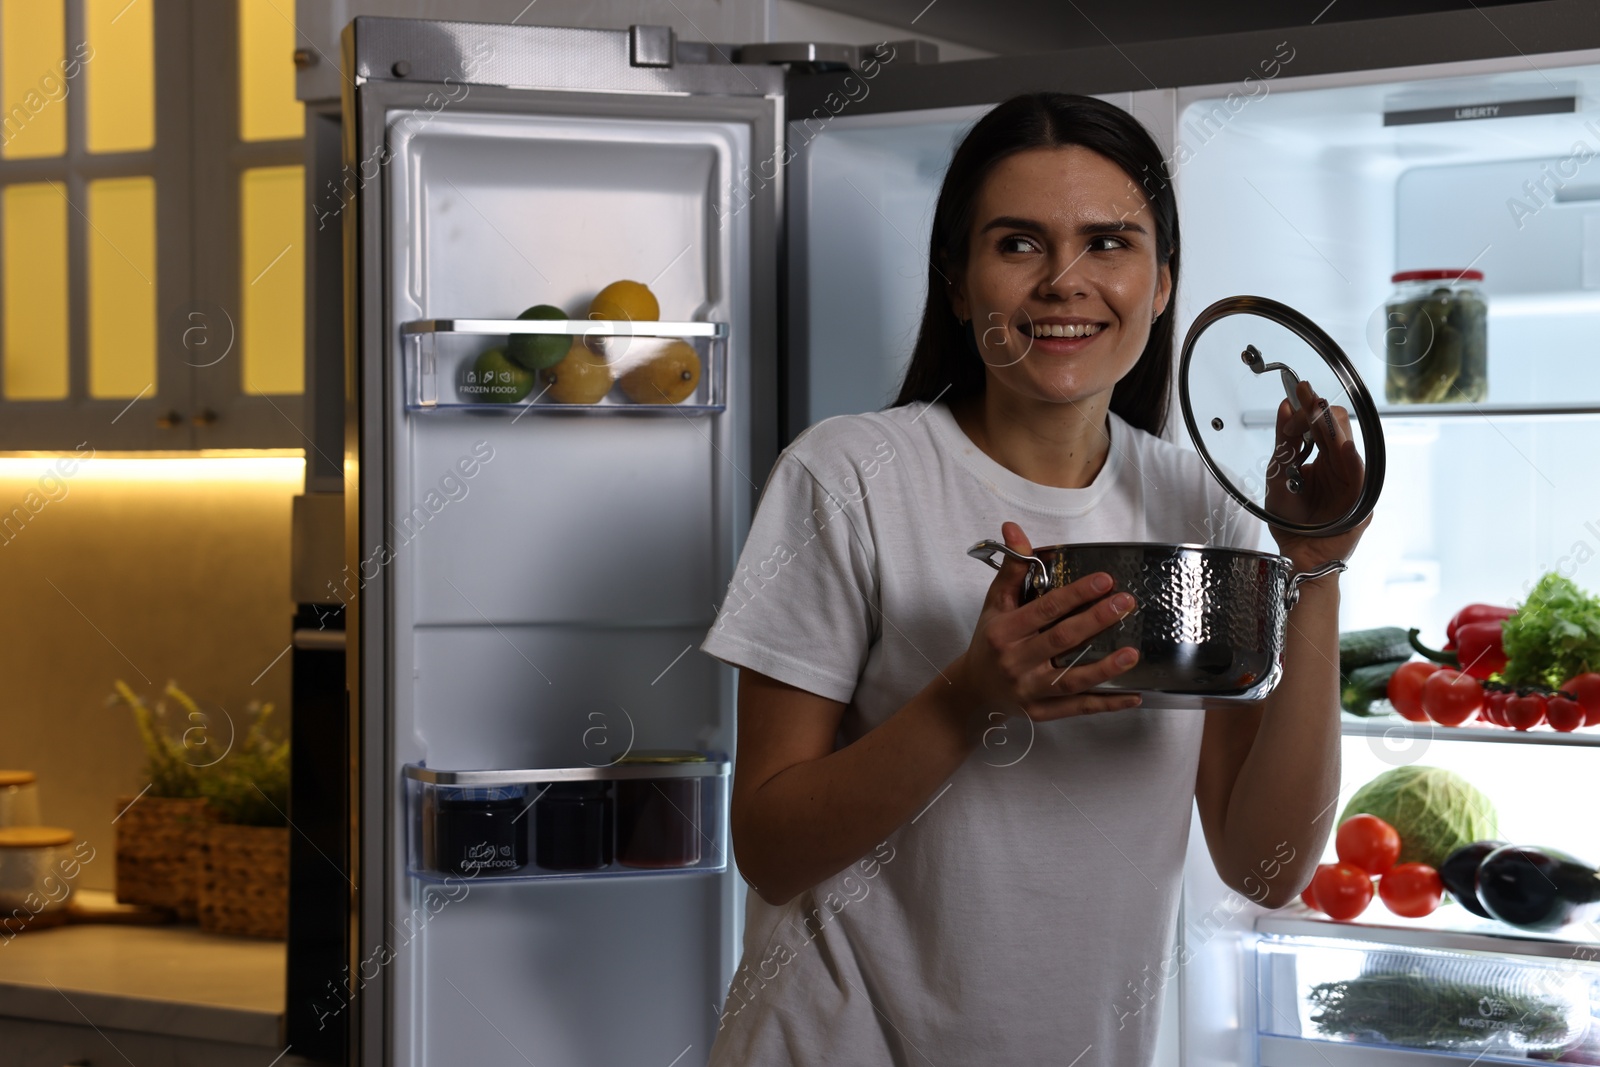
x=573 y=826
x=34 y=866
x=1436 y=338
x=480 y=830
x=658 y=819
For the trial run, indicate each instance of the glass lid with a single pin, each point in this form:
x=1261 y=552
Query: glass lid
x=1280 y=416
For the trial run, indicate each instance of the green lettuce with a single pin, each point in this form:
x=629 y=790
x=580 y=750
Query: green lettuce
x=1554 y=635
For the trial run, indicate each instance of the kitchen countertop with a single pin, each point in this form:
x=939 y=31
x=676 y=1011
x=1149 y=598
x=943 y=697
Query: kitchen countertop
x=172 y=980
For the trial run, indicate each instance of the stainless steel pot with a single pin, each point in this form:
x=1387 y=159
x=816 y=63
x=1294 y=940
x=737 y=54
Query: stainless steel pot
x=1209 y=622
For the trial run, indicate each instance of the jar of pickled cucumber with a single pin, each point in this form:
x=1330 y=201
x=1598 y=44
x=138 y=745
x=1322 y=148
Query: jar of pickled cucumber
x=1436 y=344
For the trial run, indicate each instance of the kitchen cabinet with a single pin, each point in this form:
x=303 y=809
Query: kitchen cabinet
x=154 y=228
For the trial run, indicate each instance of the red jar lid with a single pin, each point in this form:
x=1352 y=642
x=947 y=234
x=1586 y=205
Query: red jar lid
x=1438 y=276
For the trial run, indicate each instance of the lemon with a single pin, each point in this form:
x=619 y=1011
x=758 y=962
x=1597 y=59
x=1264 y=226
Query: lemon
x=491 y=378
x=627 y=301
x=536 y=351
x=667 y=378
x=580 y=378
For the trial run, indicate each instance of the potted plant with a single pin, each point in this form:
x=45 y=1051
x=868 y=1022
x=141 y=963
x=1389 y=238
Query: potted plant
x=244 y=887
x=160 y=832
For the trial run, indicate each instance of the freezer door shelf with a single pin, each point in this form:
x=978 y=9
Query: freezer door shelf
x=653 y=368
x=614 y=821
x=1335 y=1000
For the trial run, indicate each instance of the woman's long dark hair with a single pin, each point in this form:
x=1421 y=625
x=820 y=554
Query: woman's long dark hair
x=945 y=359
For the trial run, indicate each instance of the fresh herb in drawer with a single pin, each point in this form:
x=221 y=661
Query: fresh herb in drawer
x=1412 y=1009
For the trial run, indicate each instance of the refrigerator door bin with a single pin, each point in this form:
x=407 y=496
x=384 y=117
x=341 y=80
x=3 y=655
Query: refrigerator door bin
x=1471 y=1004
x=630 y=367
x=566 y=823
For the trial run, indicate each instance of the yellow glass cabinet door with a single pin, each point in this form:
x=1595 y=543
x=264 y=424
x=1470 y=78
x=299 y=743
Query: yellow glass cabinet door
x=152 y=225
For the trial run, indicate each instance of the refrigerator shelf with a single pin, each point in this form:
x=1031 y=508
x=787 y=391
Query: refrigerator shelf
x=1466 y=933
x=1396 y=728
x=1442 y=1004
x=444 y=366
x=1266 y=420
x=715 y=767
x=564 y=823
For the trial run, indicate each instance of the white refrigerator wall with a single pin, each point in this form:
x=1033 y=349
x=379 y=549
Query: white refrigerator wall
x=546 y=595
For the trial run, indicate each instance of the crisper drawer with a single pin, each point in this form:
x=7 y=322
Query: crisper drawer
x=1338 y=1001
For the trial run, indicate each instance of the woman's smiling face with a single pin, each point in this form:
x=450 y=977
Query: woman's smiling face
x=1062 y=278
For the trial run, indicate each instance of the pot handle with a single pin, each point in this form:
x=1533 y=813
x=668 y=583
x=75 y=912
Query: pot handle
x=1291 y=595
x=985 y=551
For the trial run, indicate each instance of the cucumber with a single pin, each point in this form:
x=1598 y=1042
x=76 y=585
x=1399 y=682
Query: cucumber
x=1363 y=648
x=1364 y=685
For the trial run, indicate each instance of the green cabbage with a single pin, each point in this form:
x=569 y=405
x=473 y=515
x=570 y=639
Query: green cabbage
x=1435 y=811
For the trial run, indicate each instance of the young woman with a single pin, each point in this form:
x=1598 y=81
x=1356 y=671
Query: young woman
x=958 y=853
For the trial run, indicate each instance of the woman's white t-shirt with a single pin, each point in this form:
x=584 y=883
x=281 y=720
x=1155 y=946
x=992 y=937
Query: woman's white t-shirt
x=1019 y=917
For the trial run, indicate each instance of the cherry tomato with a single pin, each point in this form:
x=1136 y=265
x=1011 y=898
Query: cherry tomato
x=1586 y=689
x=1341 y=890
x=1563 y=713
x=1525 y=712
x=1450 y=697
x=1367 y=842
x=1405 y=689
x=1494 y=706
x=1411 y=889
x=1307 y=899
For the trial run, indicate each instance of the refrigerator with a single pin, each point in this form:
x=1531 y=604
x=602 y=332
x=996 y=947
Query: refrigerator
x=527 y=580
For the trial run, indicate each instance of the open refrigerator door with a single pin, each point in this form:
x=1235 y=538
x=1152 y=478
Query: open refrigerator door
x=548 y=508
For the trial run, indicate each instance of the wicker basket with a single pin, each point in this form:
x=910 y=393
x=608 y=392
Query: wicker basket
x=245 y=888
x=159 y=844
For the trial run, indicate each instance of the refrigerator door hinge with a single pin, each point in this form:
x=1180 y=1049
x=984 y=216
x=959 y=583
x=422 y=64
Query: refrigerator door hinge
x=650 y=46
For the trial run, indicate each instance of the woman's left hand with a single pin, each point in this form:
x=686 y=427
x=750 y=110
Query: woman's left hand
x=1330 y=484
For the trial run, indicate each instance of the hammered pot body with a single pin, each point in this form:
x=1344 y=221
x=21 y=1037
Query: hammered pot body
x=1209 y=622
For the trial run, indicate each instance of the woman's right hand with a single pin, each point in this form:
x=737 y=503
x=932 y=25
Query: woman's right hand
x=1007 y=667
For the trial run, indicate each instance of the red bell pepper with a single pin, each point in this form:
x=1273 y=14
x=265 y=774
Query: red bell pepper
x=1478 y=650
x=1474 y=613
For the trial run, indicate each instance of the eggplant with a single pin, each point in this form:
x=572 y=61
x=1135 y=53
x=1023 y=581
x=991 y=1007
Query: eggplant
x=1459 y=873
x=1537 y=888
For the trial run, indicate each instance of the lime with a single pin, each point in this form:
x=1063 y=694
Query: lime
x=491 y=378
x=580 y=378
x=625 y=301
x=536 y=351
x=668 y=378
